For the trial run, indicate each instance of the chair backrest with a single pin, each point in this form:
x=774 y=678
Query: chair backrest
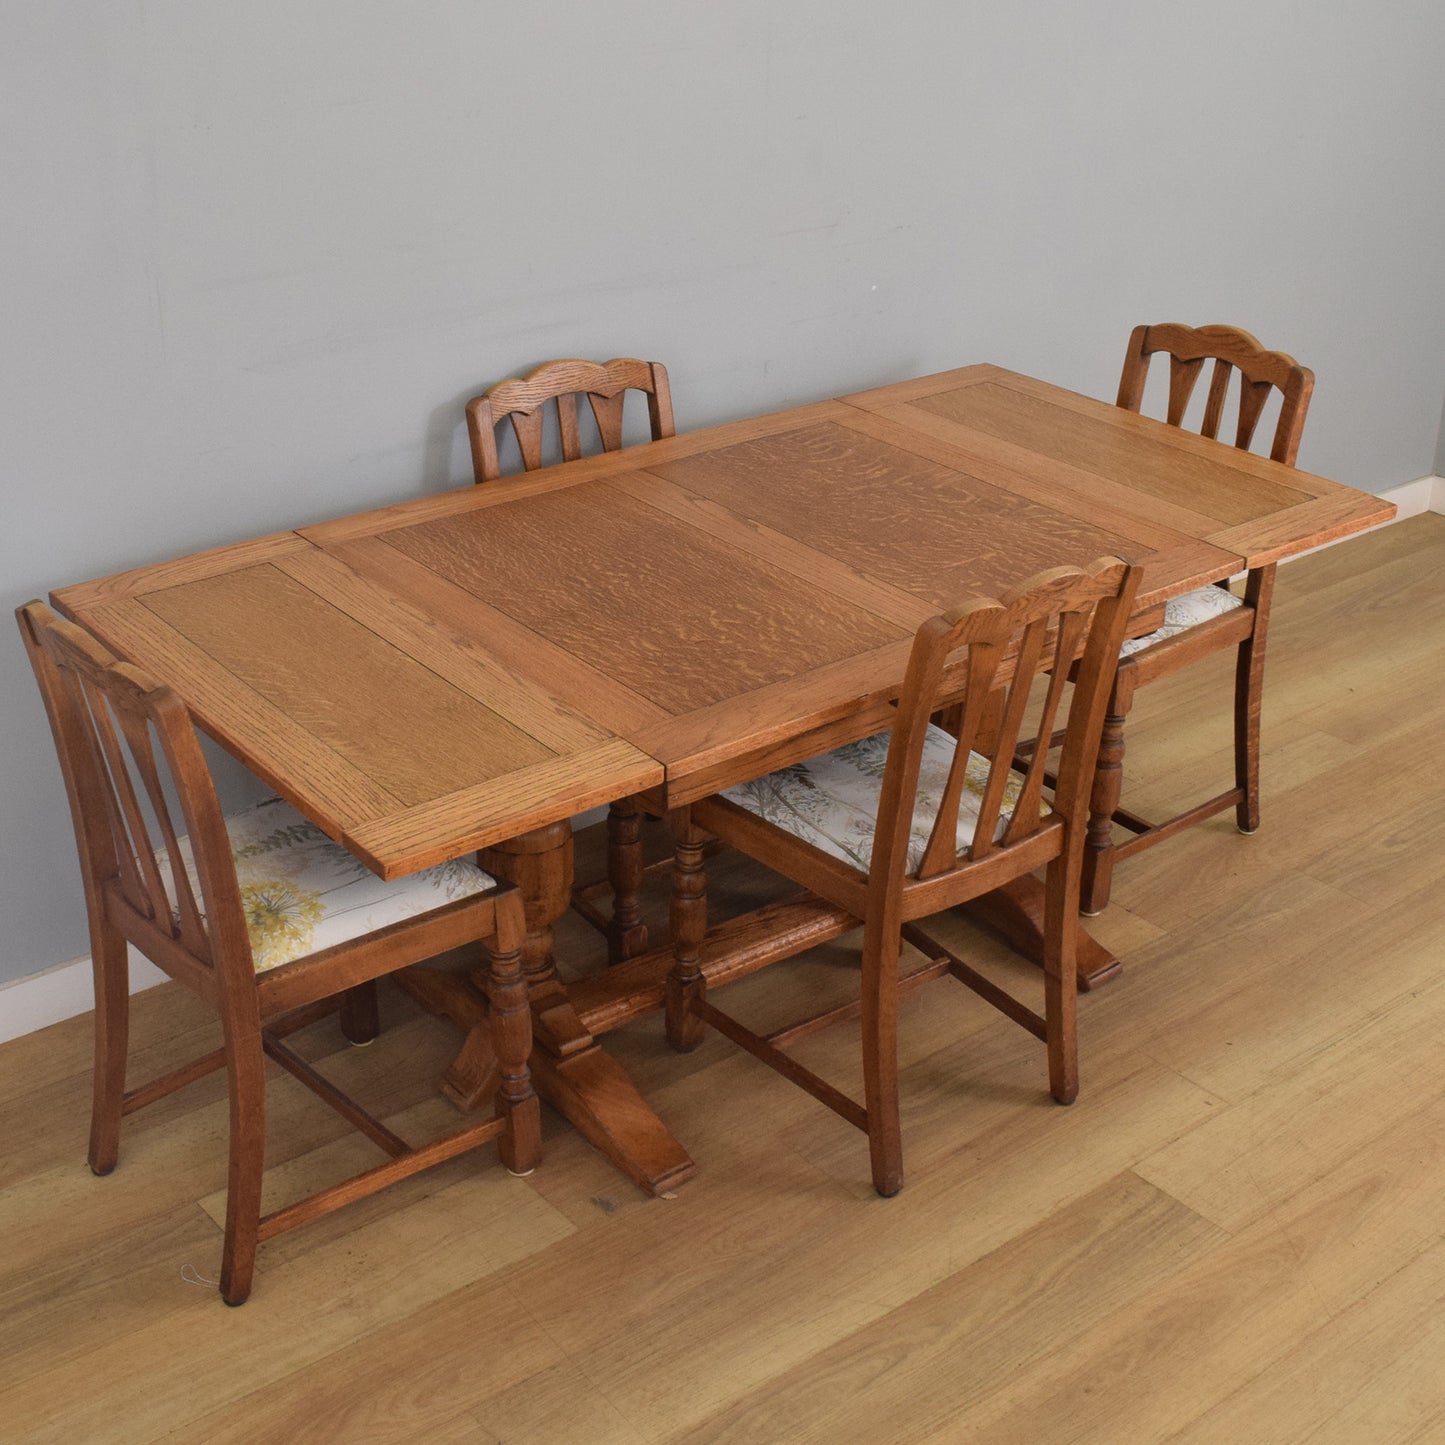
x=120 y=738
x=523 y=402
x=1047 y=620
x=1260 y=371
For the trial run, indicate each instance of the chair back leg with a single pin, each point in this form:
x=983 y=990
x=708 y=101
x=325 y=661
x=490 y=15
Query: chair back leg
x=110 y=963
x=881 y=945
x=360 y=1021
x=1249 y=698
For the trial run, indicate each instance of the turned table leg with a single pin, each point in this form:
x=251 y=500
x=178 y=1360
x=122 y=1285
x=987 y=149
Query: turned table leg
x=626 y=932
x=569 y=1068
x=685 y=1029
x=510 y=1028
x=539 y=863
x=1098 y=856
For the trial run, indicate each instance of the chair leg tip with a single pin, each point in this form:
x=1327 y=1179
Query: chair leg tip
x=361 y=1043
x=1246 y=832
x=1090 y=912
x=522 y=1173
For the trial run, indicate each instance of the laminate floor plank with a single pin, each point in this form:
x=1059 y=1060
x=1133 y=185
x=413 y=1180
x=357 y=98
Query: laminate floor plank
x=1230 y=1319
x=765 y=1285
x=173 y=1153
x=562 y=1404
x=1369 y=1374
x=185 y=1362
x=1362 y=800
x=930 y=1359
x=1231 y=1026
x=1296 y=1126
x=413 y=1389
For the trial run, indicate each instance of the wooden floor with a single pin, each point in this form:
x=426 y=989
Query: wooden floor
x=1236 y=1235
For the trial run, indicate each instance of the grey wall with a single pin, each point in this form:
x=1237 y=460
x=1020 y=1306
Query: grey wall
x=255 y=255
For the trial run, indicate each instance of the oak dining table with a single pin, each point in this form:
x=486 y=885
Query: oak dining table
x=468 y=671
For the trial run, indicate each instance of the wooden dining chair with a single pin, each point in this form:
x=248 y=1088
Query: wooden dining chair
x=1209 y=619
x=524 y=403
x=262 y=917
x=912 y=821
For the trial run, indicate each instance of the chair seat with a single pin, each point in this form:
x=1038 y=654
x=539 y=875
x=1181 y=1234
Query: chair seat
x=831 y=801
x=1182 y=613
x=302 y=893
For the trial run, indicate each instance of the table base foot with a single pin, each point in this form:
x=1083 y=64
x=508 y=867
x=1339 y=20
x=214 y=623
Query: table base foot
x=1016 y=913
x=588 y=1087
x=603 y=1105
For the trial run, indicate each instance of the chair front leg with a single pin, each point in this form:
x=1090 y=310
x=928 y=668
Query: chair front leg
x=688 y=916
x=1249 y=698
x=110 y=964
x=1098 y=864
x=1061 y=978
x=881 y=946
x=246 y=1081
x=510 y=1025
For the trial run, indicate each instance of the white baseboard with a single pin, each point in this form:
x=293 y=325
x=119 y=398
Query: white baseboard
x=62 y=992
x=1424 y=494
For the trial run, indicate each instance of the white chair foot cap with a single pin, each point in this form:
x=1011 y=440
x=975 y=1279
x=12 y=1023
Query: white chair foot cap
x=1086 y=913
x=361 y=1043
x=1245 y=832
x=522 y=1173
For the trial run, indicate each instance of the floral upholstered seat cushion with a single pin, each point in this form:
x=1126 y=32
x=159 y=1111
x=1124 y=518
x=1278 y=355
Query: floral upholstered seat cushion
x=302 y=893
x=1182 y=613
x=831 y=801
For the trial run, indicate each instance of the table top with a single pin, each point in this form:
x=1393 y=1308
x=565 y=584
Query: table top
x=449 y=672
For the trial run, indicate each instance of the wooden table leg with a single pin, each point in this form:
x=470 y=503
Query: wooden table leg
x=569 y=1068
x=626 y=932
x=1016 y=913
